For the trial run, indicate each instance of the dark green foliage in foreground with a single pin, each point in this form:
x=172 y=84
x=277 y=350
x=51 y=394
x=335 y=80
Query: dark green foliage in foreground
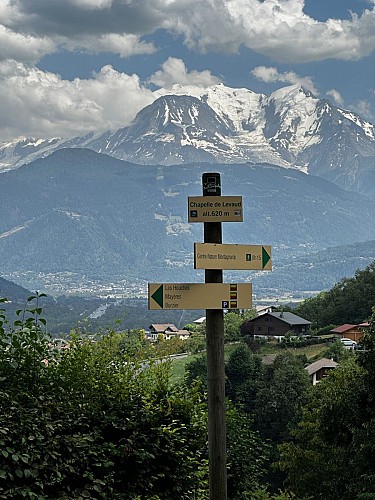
x=248 y=456
x=283 y=392
x=243 y=371
x=96 y=421
x=334 y=447
x=86 y=424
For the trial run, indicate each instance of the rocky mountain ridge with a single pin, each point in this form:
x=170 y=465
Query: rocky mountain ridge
x=290 y=128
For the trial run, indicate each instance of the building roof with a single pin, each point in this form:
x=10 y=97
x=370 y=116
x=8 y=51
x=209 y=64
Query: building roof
x=262 y=309
x=162 y=327
x=287 y=317
x=199 y=321
x=321 y=363
x=343 y=328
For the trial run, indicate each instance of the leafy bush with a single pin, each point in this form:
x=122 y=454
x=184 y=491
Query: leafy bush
x=87 y=423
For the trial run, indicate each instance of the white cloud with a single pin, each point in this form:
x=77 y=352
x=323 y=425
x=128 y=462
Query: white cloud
x=336 y=96
x=279 y=29
x=174 y=72
x=271 y=74
x=42 y=104
x=25 y=48
x=92 y=4
x=123 y=45
x=38 y=103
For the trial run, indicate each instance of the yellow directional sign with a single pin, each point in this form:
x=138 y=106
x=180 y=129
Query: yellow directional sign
x=215 y=209
x=219 y=256
x=199 y=296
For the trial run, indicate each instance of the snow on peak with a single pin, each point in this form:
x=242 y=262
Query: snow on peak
x=366 y=126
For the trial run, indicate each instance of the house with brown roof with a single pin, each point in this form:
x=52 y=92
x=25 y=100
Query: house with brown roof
x=276 y=324
x=320 y=369
x=349 y=331
x=168 y=330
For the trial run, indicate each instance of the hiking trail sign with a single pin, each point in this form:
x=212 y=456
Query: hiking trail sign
x=240 y=257
x=199 y=296
x=215 y=209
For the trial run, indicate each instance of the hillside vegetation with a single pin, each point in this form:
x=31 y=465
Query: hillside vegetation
x=349 y=301
x=105 y=420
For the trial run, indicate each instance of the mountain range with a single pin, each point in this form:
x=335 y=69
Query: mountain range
x=78 y=216
x=290 y=128
x=111 y=207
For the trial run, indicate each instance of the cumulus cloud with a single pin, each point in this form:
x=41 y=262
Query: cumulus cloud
x=26 y=48
x=46 y=104
x=123 y=45
x=271 y=74
x=174 y=71
x=38 y=103
x=276 y=28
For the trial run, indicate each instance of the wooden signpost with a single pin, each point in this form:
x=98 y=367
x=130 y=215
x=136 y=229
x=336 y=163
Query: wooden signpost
x=215 y=296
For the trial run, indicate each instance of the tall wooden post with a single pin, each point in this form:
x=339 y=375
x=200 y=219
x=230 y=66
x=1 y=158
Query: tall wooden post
x=215 y=362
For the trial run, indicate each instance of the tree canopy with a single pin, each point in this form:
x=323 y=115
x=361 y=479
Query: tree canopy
x=349 y=301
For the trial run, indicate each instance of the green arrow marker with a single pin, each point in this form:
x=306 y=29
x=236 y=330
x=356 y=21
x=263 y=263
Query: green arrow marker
x=158 y=296
x=265 y=257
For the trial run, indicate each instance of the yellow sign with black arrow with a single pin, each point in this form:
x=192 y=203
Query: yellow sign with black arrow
x=199 y=296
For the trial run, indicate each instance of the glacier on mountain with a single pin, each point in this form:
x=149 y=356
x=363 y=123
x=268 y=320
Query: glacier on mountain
x=290 y=127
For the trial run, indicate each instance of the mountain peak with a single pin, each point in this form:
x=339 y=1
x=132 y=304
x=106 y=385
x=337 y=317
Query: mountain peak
x=290 y=127
x=291 y=94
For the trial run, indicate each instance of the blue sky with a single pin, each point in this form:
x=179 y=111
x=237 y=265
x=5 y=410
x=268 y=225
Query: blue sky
x=69 y=66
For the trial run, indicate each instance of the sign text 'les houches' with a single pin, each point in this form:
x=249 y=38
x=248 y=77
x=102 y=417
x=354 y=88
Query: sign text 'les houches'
x=199 y=296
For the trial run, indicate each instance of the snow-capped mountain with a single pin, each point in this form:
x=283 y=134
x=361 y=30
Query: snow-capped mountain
x=289 y=128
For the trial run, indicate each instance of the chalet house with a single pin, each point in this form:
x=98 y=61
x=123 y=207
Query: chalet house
x=168 y=330
x=352 y=332
x=319 y=369
x=276 y=324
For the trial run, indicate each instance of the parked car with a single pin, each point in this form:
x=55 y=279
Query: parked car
x=348 y=343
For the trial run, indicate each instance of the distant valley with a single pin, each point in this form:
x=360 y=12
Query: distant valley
x=78 y=217
x=104 y=213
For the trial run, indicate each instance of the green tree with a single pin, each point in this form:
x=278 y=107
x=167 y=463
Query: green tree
x=320 y=457
x=337 y=430
x=283 y=393
x=233 y=321
x=247 y=455
x=197 y=370
x=243 y=370
x=349 y=301
x=337 y=352
x=133 y=344
x=87 y=423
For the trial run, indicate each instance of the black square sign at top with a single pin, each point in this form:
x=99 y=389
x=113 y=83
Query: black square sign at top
x=193 y=213
x=211 y=184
